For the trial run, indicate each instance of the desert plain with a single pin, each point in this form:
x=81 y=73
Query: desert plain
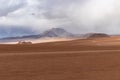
x=80 y=59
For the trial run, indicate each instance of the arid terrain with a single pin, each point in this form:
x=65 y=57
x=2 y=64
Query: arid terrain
x=81 y=59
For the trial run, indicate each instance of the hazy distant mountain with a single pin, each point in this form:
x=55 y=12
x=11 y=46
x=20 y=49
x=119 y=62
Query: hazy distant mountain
x=54 y=32
x=57 y=32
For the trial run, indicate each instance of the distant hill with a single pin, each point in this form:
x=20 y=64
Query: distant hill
x=95 y=35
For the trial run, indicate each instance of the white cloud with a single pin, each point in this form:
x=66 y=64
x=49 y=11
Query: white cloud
x=76 y=15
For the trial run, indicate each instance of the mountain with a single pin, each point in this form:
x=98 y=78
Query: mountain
x=54 y=32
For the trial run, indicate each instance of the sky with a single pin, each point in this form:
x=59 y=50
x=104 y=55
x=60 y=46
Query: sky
x=25 y=17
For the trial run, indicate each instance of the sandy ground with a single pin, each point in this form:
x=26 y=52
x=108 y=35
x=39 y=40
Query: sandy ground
x=66 y=60
x=74 y=66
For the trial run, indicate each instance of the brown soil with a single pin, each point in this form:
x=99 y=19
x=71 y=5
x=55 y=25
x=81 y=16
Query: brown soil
x=93 y=59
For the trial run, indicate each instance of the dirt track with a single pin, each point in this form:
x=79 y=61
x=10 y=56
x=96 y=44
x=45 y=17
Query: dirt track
x=55 y=61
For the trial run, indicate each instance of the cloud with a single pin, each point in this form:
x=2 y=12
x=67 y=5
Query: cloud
x=6 y=31
x=78 y=16
x=9 y=6
x=89 y=15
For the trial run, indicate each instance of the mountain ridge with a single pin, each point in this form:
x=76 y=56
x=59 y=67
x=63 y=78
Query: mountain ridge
x=54 y=32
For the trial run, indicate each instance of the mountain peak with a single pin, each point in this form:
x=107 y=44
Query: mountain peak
x=56 y=32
